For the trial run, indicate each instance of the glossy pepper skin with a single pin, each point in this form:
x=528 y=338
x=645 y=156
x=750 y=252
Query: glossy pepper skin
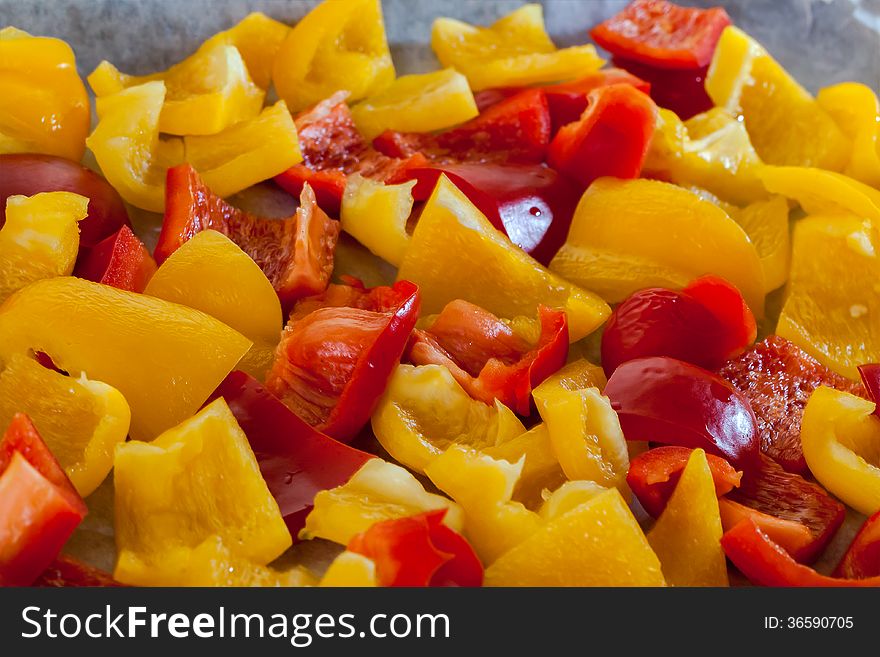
x=121 y=260
x=862 y=558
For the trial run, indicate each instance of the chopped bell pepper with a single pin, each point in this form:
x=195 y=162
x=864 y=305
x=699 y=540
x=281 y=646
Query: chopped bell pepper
x=128 y=148
x=338 y=352
x=337 y=45
x=841 y=441
x=164 y=358
x=38 y=505
x=856 y=109
x=80 y=420
x=568 y=496
x=451 y=234
x=419 y=551
x=66 y=572
x=541 y=471
x=862 y=558
x=39 y=239
x=121 y=261
x=378 y=491
x=766 y=223
x=350 y=570
x=687 y=535
x=44 y=106
x=662 y=236
x=375 y=214
x=513 y=51
x=870 y=374
x=568 y=100
x=792 y=536
x=196 y=480
x=610 y=139
x=597 y=543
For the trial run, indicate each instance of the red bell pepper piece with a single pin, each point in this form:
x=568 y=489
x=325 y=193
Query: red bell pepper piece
x=777 y=378
x=792 y=536
x=338 y=352
x=39 y=507
x=531 y=203
x=862 y=559
x=296 y=460
x=610 y=139
x=486 y=358
x=296 y=253
x=671 y=402
x=653 y=475
x=515 y=130
x=765 y=563
x=30 y=173
x=121 y=261
x=682 y=91
x=68 y=572
x=705 y=324
x=568 y=100
x=871 y=380
x=419 y=551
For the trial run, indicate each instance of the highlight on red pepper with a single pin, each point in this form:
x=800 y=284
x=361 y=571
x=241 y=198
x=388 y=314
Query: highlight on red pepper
x=610 y=139
x=668 y=401
x=870 y=375
x=862 y=558
x=668 y=46
x=66 y=571
x=30 y=173
x=120 y=260
x=706 y=323
x=778 y=377
x=39 y=507
x=296 y=253
x=487 y=358
x=419 y=551
x=296 y=460
x=338 y=352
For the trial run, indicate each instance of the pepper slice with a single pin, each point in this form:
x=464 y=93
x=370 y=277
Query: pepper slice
x=855 y=108
x=258 y=38
x=871 y=380
x=862 y=558
x=376 y=215
x=68 y=572
x=338 y=352
x=121 y=261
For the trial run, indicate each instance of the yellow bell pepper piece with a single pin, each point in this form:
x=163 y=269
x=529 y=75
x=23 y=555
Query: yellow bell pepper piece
x=258 y=38
x=456 y=253
x=484 y=487
x=166 y=359
x=205 y=93
x=80 y=420
x=378 y=491
x=515 y=51
x=44 y=106
x=211 y=273
x=662 y=236
x=766 y=224
x=568 y=496
x=785 y=123
x=578 y=375
x=417 y=103
x=246 y=153
x=340 y=44
x=40 y=238
x=195 y=481
x=350 y=569
x=855 y=108
x=841 y=441
x=424 y=411
x=375 y=214
x=832 y=307
x=540 y=471
x=128 y=148
x=687 y=535
x=598 y=543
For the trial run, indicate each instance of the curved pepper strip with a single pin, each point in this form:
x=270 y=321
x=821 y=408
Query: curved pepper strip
x=856 y=109
x=376 y=215
x=862 y=558
x=121 y=261
x=870 y=375
x=338 y=352
x=258 y=38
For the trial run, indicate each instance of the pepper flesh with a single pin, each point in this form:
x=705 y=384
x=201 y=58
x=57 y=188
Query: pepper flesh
x=121 y=261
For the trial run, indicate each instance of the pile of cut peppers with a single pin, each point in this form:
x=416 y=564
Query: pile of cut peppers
x=530 y=319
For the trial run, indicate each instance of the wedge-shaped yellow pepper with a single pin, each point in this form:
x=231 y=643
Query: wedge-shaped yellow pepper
x=456 y=253
x=711 y=151
x=417 y=103
x=166 y=359
x=766 y=224
x=44 y=106
x=205 y=93
x=568 y=496
x=424 y=411
x=40 y=238
x=350 y=569
x=375 y=214
x=540 y=469
x=340 y=44
x=378 y=491
x=80 y=420
x=855 y=108
x=661 y=236
x=514 y=51
x=195 y=481
x=258 y=38
x=841 y=440
x=246 y=153
x=597 y=543
x=687 y=535
x=127 y=146
x=785 y=123
x=211 y=273
x=832 y=306
x=484 y=486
